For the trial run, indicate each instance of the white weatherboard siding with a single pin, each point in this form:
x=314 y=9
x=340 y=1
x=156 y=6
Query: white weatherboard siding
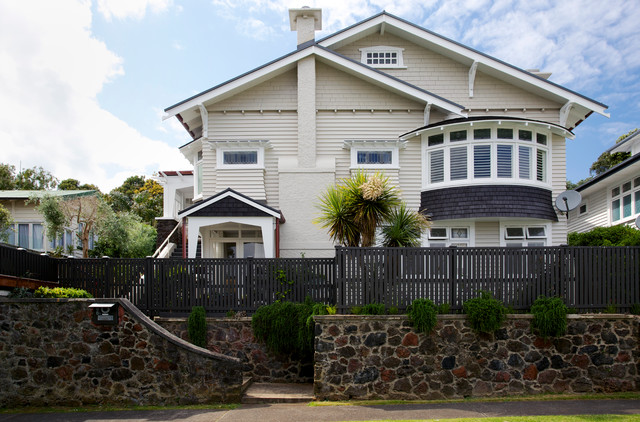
x=279 y=93
x=487 y=233
x=280 y=129
x=450 y=79
x=597 y=214
x=559 y=184
x=21 y=212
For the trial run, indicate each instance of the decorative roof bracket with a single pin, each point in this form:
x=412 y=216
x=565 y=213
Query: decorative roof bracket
x=472 y=77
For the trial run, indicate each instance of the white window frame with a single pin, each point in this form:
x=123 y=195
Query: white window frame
x=383 y=49
x=448 y=239
x=494 y=142
x=394 y=157
x=635 y=190
x=220 y=157
x=198 y=176
x=526 y=238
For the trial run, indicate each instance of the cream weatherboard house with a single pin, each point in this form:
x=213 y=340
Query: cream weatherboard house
x=474 y=142
x=613 y=197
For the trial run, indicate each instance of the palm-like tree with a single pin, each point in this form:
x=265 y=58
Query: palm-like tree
x=353 y=210
x=404 y=227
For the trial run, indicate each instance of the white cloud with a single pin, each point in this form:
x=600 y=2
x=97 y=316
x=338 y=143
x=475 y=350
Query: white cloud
x=53 y=69
x=134 y=9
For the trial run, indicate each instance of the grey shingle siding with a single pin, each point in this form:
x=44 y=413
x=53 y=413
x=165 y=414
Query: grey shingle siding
x=228 y=207
x=488 y=201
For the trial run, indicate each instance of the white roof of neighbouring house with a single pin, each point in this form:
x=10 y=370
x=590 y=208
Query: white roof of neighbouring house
x=27 y=194
x=578 y=107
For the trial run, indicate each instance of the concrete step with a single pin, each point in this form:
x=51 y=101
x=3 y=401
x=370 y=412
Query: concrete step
x=278 y=393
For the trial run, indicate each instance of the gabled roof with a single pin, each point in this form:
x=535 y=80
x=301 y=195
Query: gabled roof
x=325 y=55
x=230 y=203
x=611 y=172
x=26 y=194
x=626 y=144
x=385 y=22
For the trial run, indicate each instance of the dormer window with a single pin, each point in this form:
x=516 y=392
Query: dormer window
x=382 y=57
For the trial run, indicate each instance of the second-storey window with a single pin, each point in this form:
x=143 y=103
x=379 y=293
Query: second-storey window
x=486 y=154
x=382 y=56
x=374 y=154
x=240 y=157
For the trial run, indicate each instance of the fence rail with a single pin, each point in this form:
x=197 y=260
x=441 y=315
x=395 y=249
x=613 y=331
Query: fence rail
x=586 y=277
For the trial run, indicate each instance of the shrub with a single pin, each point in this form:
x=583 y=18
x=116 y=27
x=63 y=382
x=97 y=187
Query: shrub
x=549 y=316
x=444 y=308
x=61 y=292
x=287 y=327
x=231 y=313
x=422 y=314
x=20 y=293
x=635 y=309
x=197 y=326
x=610 y=309
x=332 y=309
x=606 y=236
x=373 y=309
x=393 y=310
x=485 y=313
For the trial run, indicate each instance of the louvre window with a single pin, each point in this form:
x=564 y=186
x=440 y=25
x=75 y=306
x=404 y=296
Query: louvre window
x=437 y=166
x=541 y=165
x=458 y=163
x=524 y=164
x=481 y=161
x=505 y=153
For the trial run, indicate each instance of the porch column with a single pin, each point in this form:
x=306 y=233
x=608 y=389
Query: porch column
x=193 y=227
x=268 y=237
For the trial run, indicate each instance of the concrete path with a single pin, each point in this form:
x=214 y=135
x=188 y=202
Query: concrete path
x=302 y=412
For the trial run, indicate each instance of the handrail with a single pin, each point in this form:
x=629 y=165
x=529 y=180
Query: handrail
x=166 y=241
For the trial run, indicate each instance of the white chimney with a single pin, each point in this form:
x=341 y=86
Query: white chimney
x=306 y=21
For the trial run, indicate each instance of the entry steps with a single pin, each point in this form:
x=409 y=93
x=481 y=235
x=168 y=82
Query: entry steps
x=264 y=392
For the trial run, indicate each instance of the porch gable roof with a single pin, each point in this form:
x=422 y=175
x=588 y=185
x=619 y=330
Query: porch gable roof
x=229 y=203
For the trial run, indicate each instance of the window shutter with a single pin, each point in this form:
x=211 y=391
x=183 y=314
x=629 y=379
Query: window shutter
x=524 y=162
x=459 y=163
x=482 y=161
x=437 y=166
x=505 y=154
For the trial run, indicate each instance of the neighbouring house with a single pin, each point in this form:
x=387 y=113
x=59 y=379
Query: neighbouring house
x=29 y=231
x=472 y=141
x=613 y=197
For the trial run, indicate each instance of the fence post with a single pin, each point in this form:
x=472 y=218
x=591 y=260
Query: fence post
x=453 y=271
x=148 y=283
x=337 y=274
x=107 y=276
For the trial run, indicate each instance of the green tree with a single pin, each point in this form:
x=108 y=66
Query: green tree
x=35 y=178
x=606 y=161
x=7 y=177
x=124 y=235
x=404 y=228
x=5 y=223
x=121 y=198
x=354 y=210
x=148 y=201
x=87 y=212
x=74 y=184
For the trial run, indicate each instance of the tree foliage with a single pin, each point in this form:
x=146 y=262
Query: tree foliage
x=606 y=161
x=606 y=236
x=143 y=197
x=5 y=223
x=404 y=227
x=87 y=212
x=353 y=210
x=124 y=235
x=74 y=184
x=35 y=178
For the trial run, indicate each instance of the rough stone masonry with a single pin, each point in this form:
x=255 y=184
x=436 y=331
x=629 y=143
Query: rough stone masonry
x=371 y=357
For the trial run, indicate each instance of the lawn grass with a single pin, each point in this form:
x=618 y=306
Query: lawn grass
x=110 y=408
x=541 y=397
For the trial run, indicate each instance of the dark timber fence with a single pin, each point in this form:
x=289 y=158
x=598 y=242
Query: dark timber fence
x=588 y=278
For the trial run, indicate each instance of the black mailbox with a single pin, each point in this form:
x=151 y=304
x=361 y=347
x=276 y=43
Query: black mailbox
x=104 y=313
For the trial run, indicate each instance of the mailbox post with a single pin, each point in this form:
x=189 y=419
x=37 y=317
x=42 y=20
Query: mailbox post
x=104 y=313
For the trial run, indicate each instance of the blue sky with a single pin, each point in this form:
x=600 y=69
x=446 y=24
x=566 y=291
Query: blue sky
x=83 y=84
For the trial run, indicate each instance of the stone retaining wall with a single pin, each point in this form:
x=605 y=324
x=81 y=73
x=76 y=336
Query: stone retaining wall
x=52 y=354
x=370 y=357
x=234 y=337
